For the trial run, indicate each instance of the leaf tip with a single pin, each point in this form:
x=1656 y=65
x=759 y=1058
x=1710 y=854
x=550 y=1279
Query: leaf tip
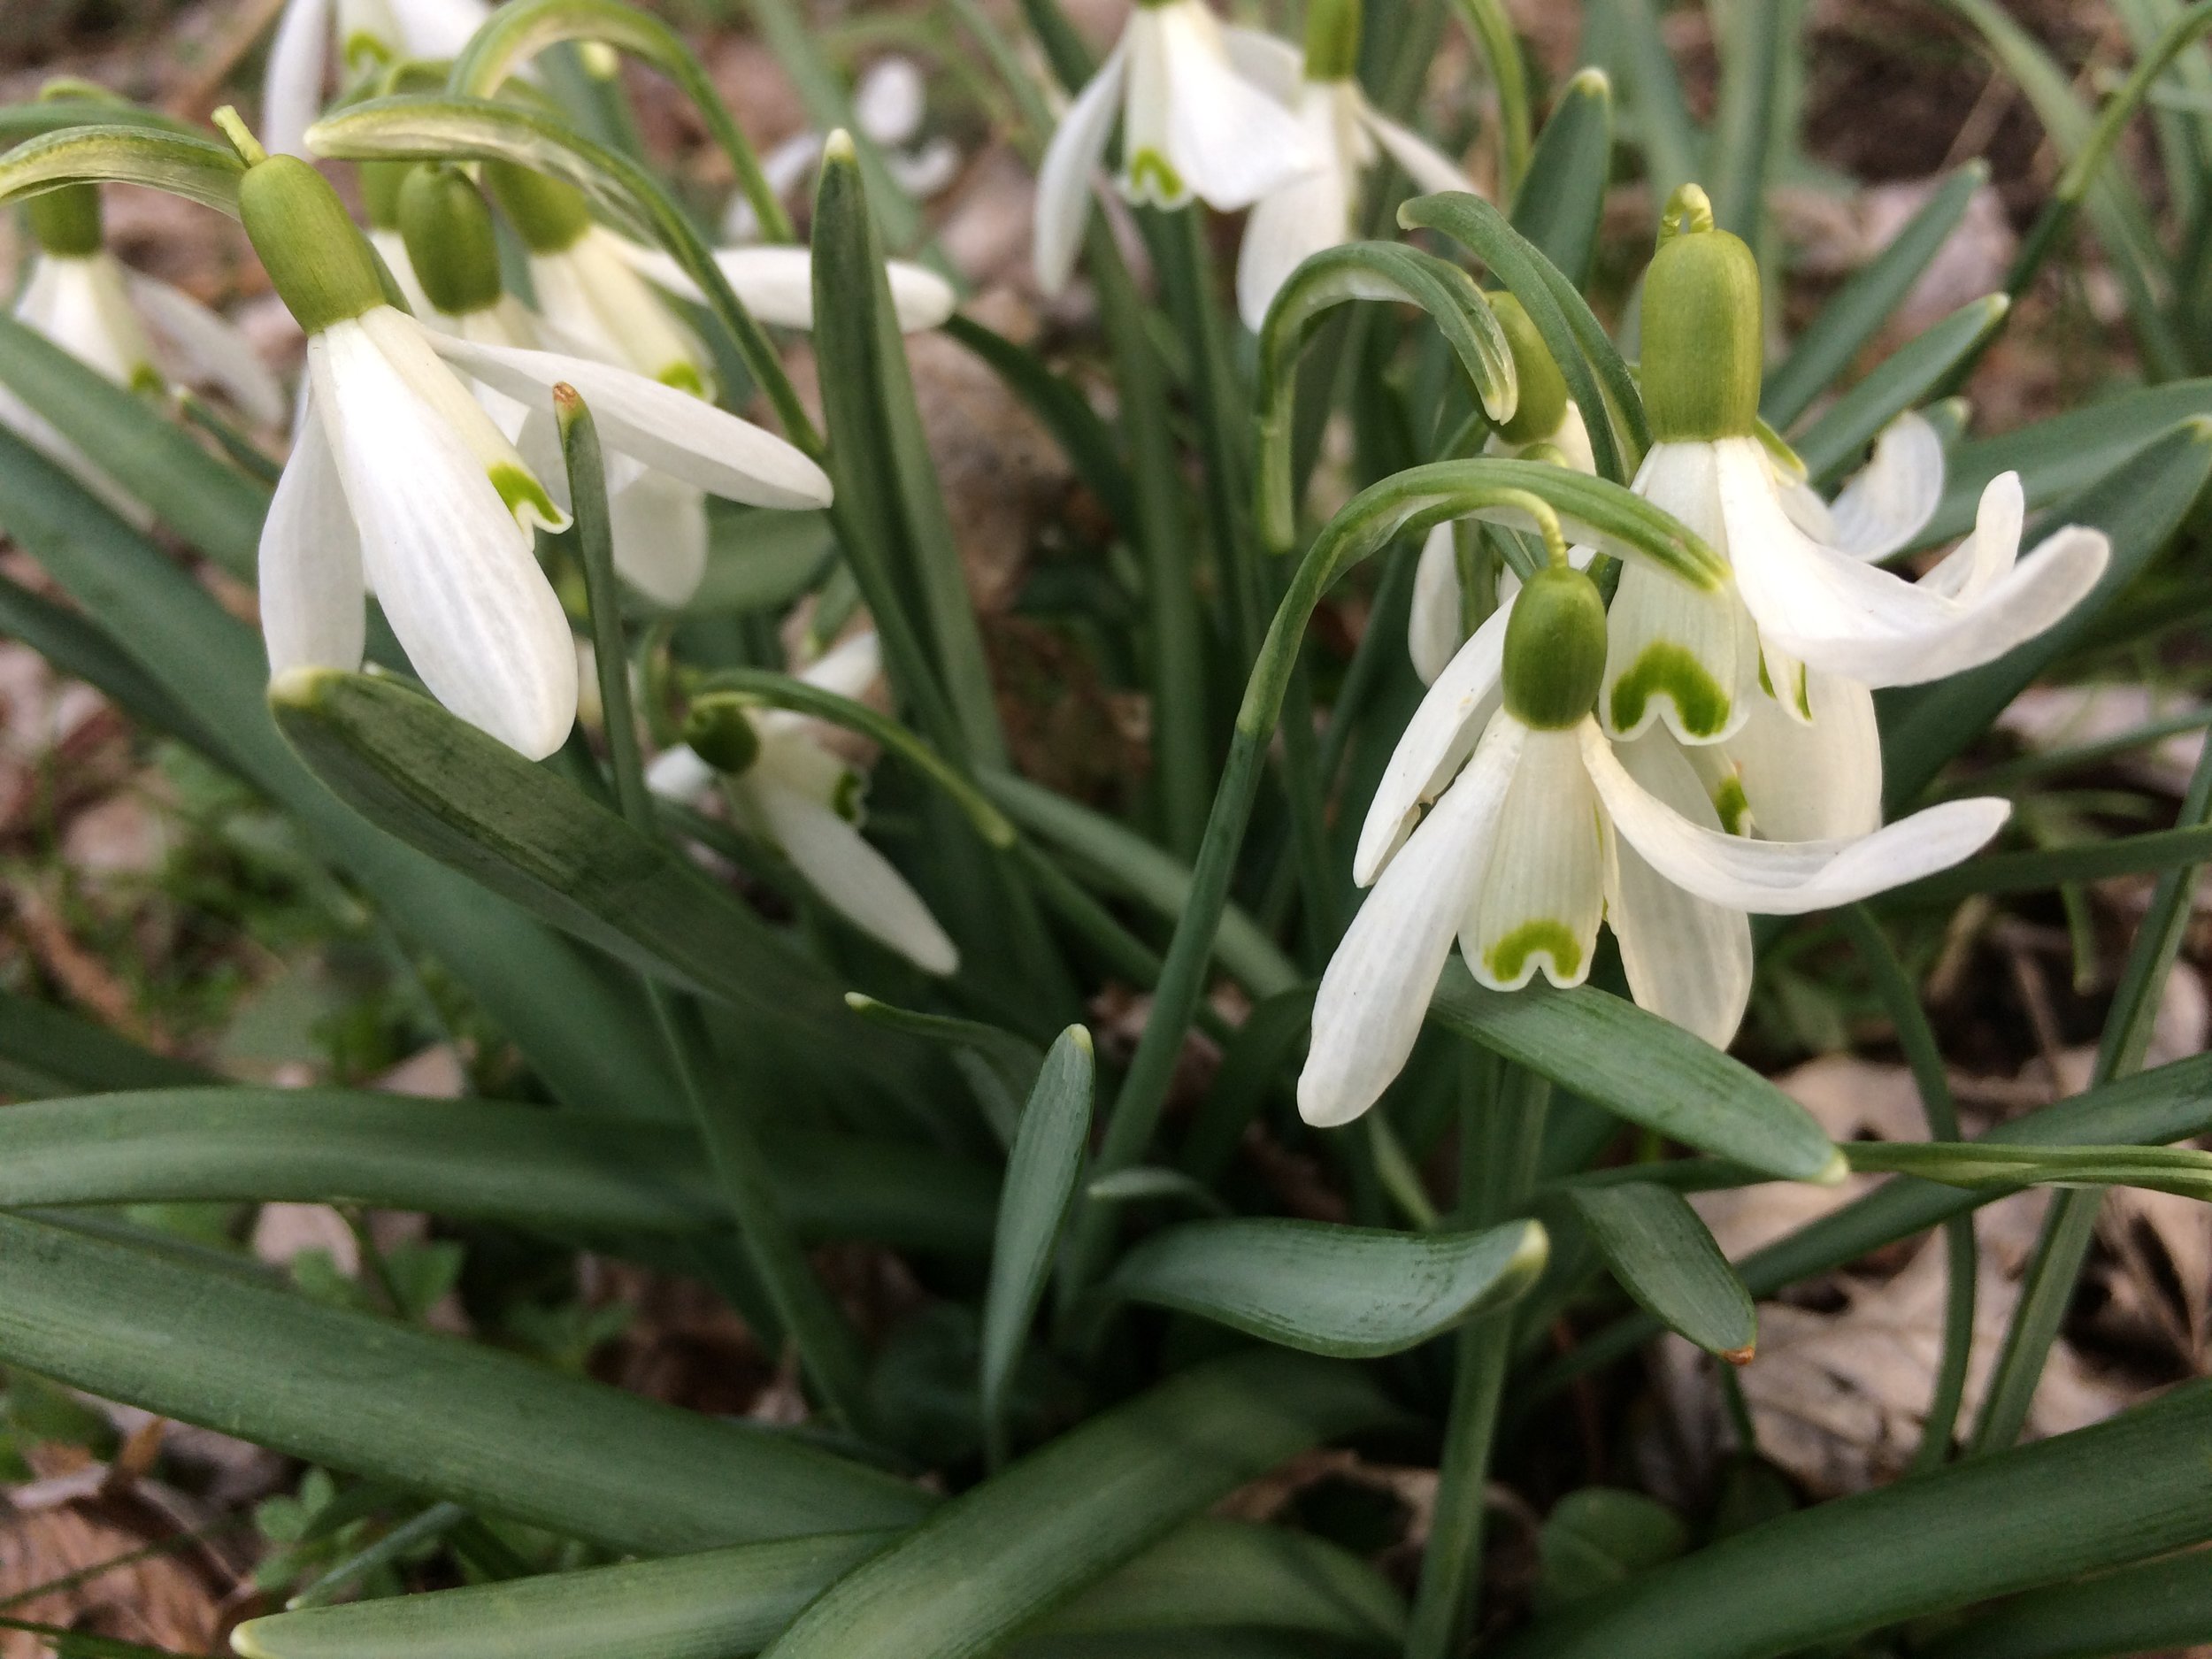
x=246 y=1641
x=1831 y=1174
x=838 y=151
x=1591 y=82
x=1742 y=1356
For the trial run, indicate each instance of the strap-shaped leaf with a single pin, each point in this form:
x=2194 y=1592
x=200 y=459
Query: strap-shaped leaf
x=2036 y=871
x=47 y=1051
x=487 y=1429
x=1352 y=1293
x=2153 y=1607
x=42 y=115
x=1614 y=1054
x=1379 y=271
x=1909 y=375
x=2184 y=1170
x=1558 y=204
x=1665 y=1258
x=1004 y=1553
x=998 y=1066
x=113 y=152
x=474 y=1160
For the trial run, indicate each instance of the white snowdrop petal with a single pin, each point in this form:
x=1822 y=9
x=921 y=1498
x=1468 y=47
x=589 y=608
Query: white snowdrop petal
x=292 y=88
x=1303 y=218
x=456 y=574
x=313 y=610
x=678 y=774
x=1816 y=780
x=1429 y=167
x=659 y=526
x=1786 y=877
x=437 y=29
x=849 y=668
x=82 y=307
x=1978 y=563
x=391 y=248
x=1376 y=991
x=891 y=100
x=674 y=430
x=1268 y=62
x=1443 y=730
x=851 y=875
x=1884 y=506
x=1687 y=960
x=777 y=285
x=209 y=348
x=1063 y=177
x=1433 y=624
x=1543 y=897
x=1228 y=141
x=924 y=173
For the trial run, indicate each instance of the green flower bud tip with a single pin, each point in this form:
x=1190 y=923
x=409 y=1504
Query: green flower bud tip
x=67 y=222
x=1543 y=405
x=1333 y=35
x=1555 y=649
x=450 y=239
x=322 y=268
x=550 y=214
x=721 y=733
x=1702 y=338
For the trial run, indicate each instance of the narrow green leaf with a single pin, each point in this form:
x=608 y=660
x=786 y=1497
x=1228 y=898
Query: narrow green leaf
x=1352 y=1293
x=1612 y=1054
x=216 y=508
x=2038 y=872
x=46 y=1050
x=1663 y=131
x=2100 y=1497
x=1857 y=311
x=77 y=645
x=19 y=121
x=1033 y=1208
x=998 y=1066
x=1002 y=1554
x=1082 y=435
x=1742 y=154
x=1907 y=376
x=1492 y=26
x=1143 y=1182
x=2183 y=1171
x=2159 y=1605
x=784 y=26
x=125 y=152
x=1665 y=1258
x=1559 y=203
x=489 y=1430
x=2139 y=506
x=759 y=559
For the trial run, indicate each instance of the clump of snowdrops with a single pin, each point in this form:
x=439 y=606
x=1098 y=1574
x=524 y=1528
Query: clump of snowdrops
x=1661 y=648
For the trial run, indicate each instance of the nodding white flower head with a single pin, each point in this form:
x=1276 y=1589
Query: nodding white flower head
x=1345 y=134
x=139 y=332
x=1544 y=828
x=1806 y=595
x=889 y=107
x=400 y=482
x=368 y=34
x=776 y=283
x=793 y=793
x=1197 y=122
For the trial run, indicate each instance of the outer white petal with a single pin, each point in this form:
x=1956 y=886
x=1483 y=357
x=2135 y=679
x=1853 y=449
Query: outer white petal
x=852 y=877
x=1063 y=177
x=1437 y=739
x=1429 y=167
x=456 y=575
x=1301 y=219
x=1543 y=897
x=437 y=29
x=1434 y=625
x=589 y=294
x=660 y=536
x=1820 y=780
x=849 y=668
x=1786 y=877
x=1980 y=562
x=1687 y=960
x=1268 y=62
x=292 y=91
x=777 y=285
x=891 y=100
x=1863 y=624
x=674 y=430
x=926 y=172
x=1883 y=508
x=1376 y=988
x=1227 y=140
x=312 y=607
x=678 y=774
x=82 y=307
x=209 y=348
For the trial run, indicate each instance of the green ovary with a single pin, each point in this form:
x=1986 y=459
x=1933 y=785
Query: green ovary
x=1165 y=184
x=519 y=491
x=1671 y=670
x=1509 y=957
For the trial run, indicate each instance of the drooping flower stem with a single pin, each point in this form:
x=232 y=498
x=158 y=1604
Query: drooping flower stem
x=828 y=1347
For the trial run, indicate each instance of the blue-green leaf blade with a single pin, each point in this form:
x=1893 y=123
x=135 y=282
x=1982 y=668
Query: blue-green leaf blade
x=1665 y=1258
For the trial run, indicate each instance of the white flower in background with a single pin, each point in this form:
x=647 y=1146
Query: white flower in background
x=1347 y=136
x=368 y=34
x=793 y=793
x=401 y=481
x=776 y=283
x=890 y=106
x=138 y=331
x=1545 y=829
x=1194 y=122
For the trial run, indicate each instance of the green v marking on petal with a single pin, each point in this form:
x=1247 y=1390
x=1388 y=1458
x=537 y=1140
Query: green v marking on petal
x=523 y=493
x=1670 y=671
x=684 y=377
x=1149 y=174
x=1733 y=805
x=1509 y=957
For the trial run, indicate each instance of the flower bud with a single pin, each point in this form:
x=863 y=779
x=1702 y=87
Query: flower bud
x=449 y=240
x=67 y=222
x=1332 y=32
x=1555 y=649
x=322 y=268
x=550 y=214
x=1543 y=406
x=1701 y=334
x=721 y=733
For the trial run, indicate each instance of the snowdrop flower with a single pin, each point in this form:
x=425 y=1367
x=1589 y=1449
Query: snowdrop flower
x=792 y=792
x=369 y=34
x=79 y=296
x=1346 y=133
x=1799 y=604
x=776 y=283
x=1194 y=122
x=890 y=106
x=1544 y=828
x=400 y=480
x=381 y=183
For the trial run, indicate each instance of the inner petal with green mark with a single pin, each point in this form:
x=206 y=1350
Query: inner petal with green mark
x=1151 y=176
x=1510 y=957
x=1665 y=669
x=525 y=496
